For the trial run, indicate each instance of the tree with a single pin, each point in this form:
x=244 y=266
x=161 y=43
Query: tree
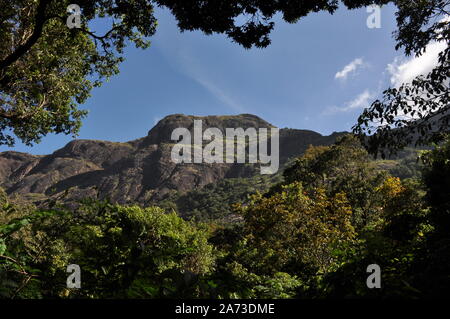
x=126 y=251
x=47 y=69
x=433 y=267
x=18 y=249
x=342 y=167
x=123 y=251
x=295 y=232
x=416 y=113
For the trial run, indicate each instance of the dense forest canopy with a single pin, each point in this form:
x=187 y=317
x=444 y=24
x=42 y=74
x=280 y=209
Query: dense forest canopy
x=311 y=235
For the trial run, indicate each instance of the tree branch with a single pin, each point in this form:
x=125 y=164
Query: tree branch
x=40 y=20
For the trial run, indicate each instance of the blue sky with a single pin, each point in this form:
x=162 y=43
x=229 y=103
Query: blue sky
x=317 y=74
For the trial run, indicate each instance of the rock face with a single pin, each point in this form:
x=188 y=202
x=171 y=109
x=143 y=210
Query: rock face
x=137 y=171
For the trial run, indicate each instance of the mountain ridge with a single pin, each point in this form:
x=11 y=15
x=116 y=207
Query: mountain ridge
x=137 y=171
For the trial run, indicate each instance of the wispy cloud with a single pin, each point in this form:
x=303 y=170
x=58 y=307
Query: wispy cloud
x=362 y=101
x=403 y=71
x=218 y=93
x=183 y=60
x=350 y=68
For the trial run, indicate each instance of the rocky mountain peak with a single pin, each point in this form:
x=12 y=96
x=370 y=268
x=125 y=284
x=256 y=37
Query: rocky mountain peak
x=162 y=131
x=139 y=171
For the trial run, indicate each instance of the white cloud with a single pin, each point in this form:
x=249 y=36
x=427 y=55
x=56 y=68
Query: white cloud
x=362 y=101
x=403 y=71
x=350 y=68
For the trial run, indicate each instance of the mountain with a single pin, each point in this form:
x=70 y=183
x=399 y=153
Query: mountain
x=140 y=171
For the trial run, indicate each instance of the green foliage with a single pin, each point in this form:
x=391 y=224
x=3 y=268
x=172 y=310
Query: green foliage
x=416 y=113
x=17 y=272
x=410 y=243
x=343 y=167
x=434 y=260
x=236 y=281
x=292 y=230
x=214 y=202
x=47 y=69
x=437 y=181
x=405 y=165
x=122 y=251
x=299 y=240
